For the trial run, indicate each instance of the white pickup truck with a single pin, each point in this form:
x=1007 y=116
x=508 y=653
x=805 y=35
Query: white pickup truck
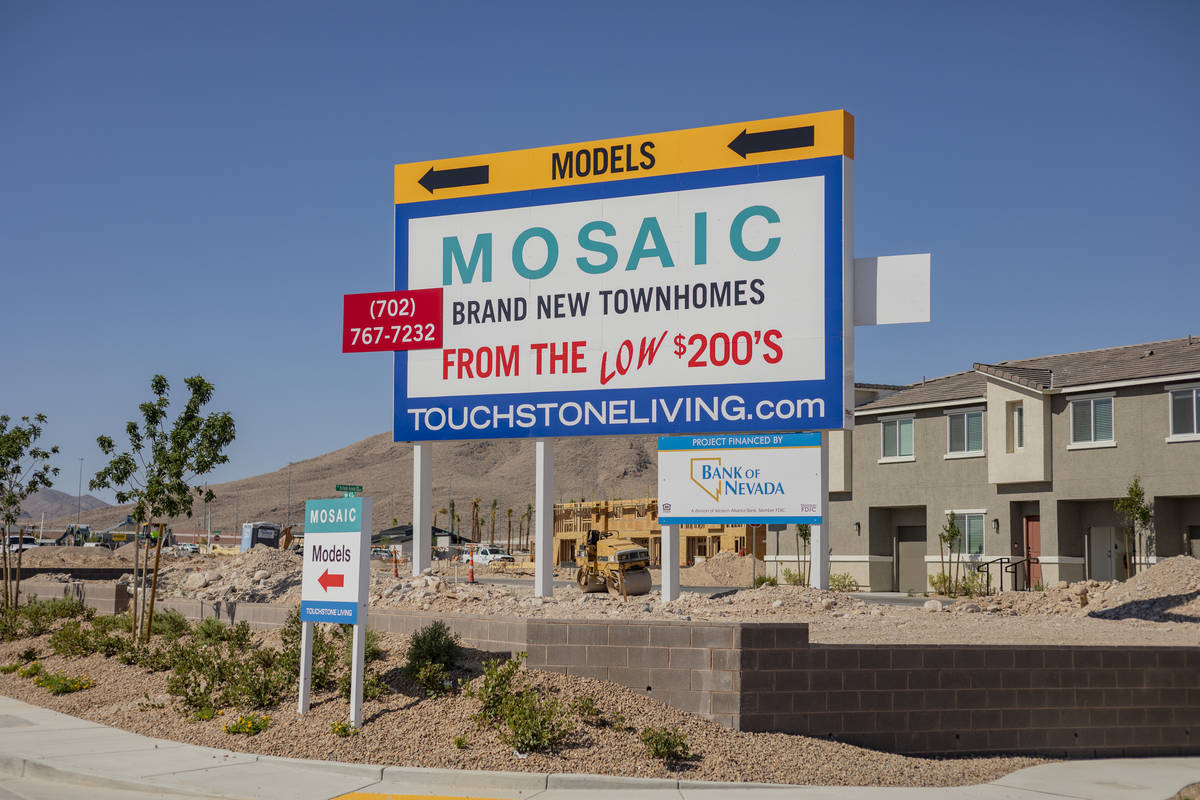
x=486 y=555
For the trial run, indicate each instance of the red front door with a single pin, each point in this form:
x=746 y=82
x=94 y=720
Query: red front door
x=1033 y=548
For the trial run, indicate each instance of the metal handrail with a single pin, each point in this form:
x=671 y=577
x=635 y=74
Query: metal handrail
x=1028 y=561
x=986 y=568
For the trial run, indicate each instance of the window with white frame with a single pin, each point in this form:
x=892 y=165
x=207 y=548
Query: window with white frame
x=1092 y=421
x=898 y=438
x=964 y=433
x=1185 y=412
x=971 y=541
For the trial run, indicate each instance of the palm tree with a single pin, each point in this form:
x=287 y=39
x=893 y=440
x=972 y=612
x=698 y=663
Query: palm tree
x=435 y=515
x=528 y=524
x=510 y=530
x=451 y=517
x=475 y=519
x=495 y=508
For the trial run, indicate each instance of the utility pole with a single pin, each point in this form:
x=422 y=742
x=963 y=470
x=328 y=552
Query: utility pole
x=79 y=497
x=289 y=522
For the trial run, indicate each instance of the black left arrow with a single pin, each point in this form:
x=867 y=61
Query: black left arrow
x=766 y=141
x=454 y=178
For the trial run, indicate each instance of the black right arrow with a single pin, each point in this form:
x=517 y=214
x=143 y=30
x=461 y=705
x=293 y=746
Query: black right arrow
x=454 y=178
x=766 y=141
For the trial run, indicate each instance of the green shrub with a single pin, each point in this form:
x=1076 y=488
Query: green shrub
x=533 y=722
x=434 y=679
x=200 y=676
x=973 y=584
x=59 y=683
x=40 y=615
x=239 y=635
x=496 y=688
x=11 y=627
x=259 y=680
x=249 y=724
x=325 y=653
x=843 y=582
x=170 y=624
x=666 y=744
x=9 y=669
x=30 y=670
x=210 y=632
x=112 y=644
x=343 y=729
x=764 y=579
x=112 y=622
x=157 y=659
x=27 y=655
x=72 y=640
x=205 y=714
x=432 y=644
x=461 y=742
x=374 y=686
x=586 y=709
x=792 y=578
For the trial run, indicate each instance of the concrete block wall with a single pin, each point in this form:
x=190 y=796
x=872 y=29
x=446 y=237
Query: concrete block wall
x=693 y=666
x=933 y=700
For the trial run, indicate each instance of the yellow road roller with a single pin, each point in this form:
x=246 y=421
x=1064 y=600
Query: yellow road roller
x=613 y=563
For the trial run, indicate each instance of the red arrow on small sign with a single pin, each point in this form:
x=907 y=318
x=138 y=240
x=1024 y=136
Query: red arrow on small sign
x=326 y=580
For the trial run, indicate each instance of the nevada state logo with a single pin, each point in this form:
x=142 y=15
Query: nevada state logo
x=706 y=473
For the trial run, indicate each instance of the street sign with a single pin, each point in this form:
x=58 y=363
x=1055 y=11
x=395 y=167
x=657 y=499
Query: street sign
x=740 y=478
x=386 y=321
x=687 y=281
x=348 y=488
x=337 y=546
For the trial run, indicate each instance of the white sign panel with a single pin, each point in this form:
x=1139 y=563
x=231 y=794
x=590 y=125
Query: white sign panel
x=336 y=572
x=740 y=478
x=700 y=286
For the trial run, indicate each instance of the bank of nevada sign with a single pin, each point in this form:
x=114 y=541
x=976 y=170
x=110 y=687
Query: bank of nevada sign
x=740 y=478
x=677 y=282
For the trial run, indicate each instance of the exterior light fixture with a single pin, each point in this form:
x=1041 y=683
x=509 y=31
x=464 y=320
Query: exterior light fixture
x=858 y=529
x=995 y=526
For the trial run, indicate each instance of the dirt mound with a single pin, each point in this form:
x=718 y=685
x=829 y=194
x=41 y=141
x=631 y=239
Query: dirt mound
x=72 y=556
x=724 y=569
x=1169 y=591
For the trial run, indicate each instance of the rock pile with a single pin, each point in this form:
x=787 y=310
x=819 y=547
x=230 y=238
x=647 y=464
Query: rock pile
x=1167 y=591
x=262 y=575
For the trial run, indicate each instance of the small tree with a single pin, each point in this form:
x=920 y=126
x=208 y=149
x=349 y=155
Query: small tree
x=476 y=531
x=155 y=472
x=510 y=513
x=495 y=510
x=804 y=534
x=1138 y=515
x=24 y=468
x=949 y=538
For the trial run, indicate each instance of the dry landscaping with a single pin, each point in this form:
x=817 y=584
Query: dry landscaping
x=585 y=725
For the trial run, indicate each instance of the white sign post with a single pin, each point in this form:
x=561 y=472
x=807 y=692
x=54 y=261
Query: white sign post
x=334 y=584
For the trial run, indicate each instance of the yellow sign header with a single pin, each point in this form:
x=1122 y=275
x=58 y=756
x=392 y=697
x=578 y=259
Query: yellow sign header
x=738 y=144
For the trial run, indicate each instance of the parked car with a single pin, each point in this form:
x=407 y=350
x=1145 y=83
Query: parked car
x=17 y=542
x=486 y=555
x=381 y=552
x=188 y=547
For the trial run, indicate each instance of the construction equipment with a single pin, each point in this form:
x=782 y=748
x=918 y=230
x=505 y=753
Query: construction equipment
x=613 y=563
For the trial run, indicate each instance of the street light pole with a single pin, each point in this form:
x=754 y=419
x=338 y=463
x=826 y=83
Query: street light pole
x=79 y=497
x=289 y=494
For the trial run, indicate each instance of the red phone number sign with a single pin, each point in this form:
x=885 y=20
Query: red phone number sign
x=388 y=321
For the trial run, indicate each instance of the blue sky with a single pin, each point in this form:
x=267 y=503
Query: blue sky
x=191 y=188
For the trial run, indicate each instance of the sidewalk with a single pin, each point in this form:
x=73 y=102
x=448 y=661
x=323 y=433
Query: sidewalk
x=44 y=748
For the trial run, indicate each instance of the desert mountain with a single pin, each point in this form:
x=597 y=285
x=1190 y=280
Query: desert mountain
x=56 y=504
x=501 y=470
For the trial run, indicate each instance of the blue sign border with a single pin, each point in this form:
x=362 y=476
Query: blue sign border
x=829 y=390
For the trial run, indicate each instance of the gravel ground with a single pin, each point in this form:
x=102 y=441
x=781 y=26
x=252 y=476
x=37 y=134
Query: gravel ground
x=407 y=729
x=1158 y=606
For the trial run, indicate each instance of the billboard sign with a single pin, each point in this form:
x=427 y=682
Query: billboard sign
x=336 y=571
x=687 y=281
x=770 y=478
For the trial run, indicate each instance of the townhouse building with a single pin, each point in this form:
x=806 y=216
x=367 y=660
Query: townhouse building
x=1029 y=457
